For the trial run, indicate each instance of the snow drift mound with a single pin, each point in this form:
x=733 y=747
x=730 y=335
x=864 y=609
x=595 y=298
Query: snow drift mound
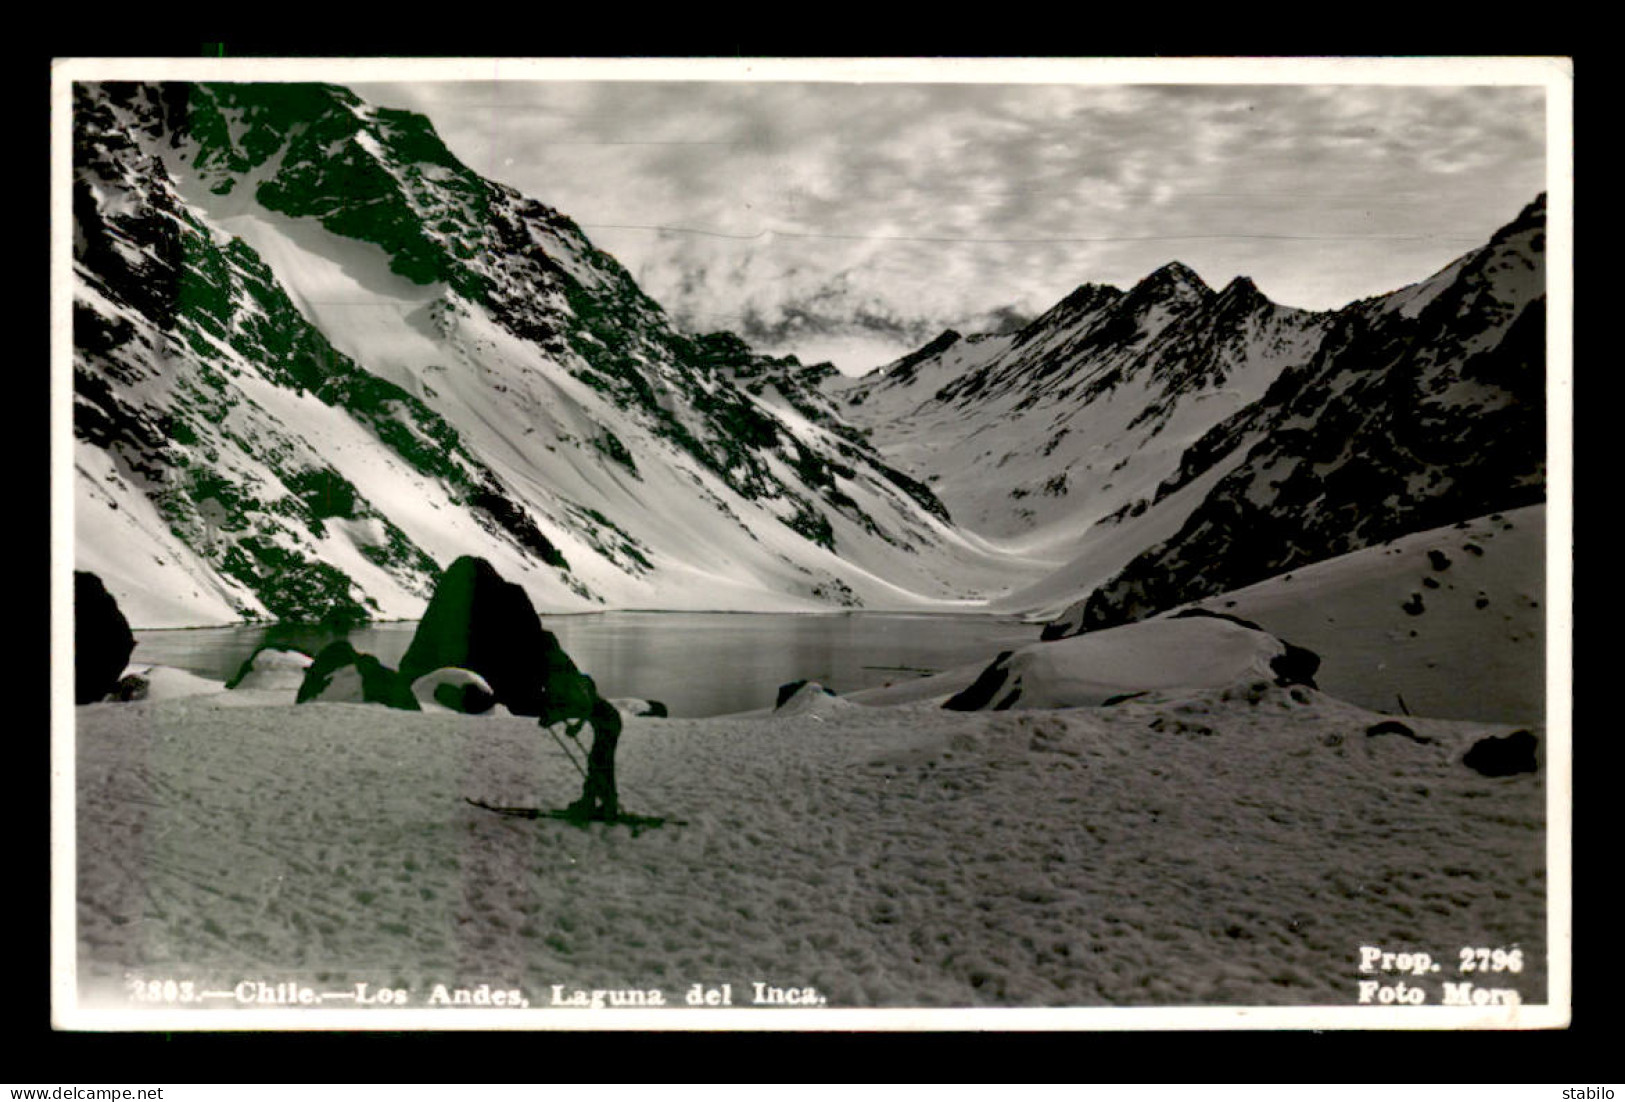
x=1185 y=653
x=809 y=698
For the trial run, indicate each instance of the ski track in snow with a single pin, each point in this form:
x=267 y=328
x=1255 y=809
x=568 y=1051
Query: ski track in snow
x=1230 y=847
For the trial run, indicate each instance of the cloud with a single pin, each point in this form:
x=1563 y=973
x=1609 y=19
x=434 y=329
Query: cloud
x=938 y=203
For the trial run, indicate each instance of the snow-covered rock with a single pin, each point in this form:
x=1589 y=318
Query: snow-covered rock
x=272 y=668
x=168 y=683
x=1403 y=418
x=1183 y=654
x=454 y=689
x=809 y=698
x=635 y=707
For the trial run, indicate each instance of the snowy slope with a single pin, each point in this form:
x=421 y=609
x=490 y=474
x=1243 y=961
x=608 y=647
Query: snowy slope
x=316 y=357
x=1448 y=622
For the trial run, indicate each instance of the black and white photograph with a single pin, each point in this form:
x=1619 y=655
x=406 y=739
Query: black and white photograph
x=811 y=544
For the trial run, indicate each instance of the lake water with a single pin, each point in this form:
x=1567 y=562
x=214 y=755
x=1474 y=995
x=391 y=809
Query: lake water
x=697 y=664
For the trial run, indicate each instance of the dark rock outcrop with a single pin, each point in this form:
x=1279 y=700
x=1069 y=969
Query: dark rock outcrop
x=979 y=694
x=379 y=683
x=1412 y=411
x=478 y=621
x=102 y=641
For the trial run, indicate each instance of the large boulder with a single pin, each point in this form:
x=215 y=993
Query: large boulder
x=102 y=641
x=342 y=674
x=478 y=621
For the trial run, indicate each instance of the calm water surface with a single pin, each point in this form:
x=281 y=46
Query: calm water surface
x=698 y=664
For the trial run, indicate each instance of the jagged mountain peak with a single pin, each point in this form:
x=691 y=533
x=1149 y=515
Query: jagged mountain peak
x=1172 y=279
x=1242 y=295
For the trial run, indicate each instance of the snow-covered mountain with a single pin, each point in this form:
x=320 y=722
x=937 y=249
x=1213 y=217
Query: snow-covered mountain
x=1072 y=421
x=1419 y=409
x=316 y=358
x=1171 y=442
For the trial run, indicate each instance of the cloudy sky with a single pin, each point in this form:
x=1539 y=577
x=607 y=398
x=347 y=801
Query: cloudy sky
x=854 y=221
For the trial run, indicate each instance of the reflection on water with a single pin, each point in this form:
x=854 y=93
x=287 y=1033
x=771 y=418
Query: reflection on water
x=698 y=664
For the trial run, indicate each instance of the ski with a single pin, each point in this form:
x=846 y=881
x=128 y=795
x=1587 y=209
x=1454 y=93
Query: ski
x=637 y=823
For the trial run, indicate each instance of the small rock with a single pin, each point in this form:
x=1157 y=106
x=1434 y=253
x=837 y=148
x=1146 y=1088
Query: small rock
x=131 y=686
x=1505 y=756
x=1394 y=727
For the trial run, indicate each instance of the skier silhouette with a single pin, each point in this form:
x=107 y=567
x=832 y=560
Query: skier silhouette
x=571 y=697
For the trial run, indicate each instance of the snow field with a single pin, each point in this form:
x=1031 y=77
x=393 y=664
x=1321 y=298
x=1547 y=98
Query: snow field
x=1233 y=846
